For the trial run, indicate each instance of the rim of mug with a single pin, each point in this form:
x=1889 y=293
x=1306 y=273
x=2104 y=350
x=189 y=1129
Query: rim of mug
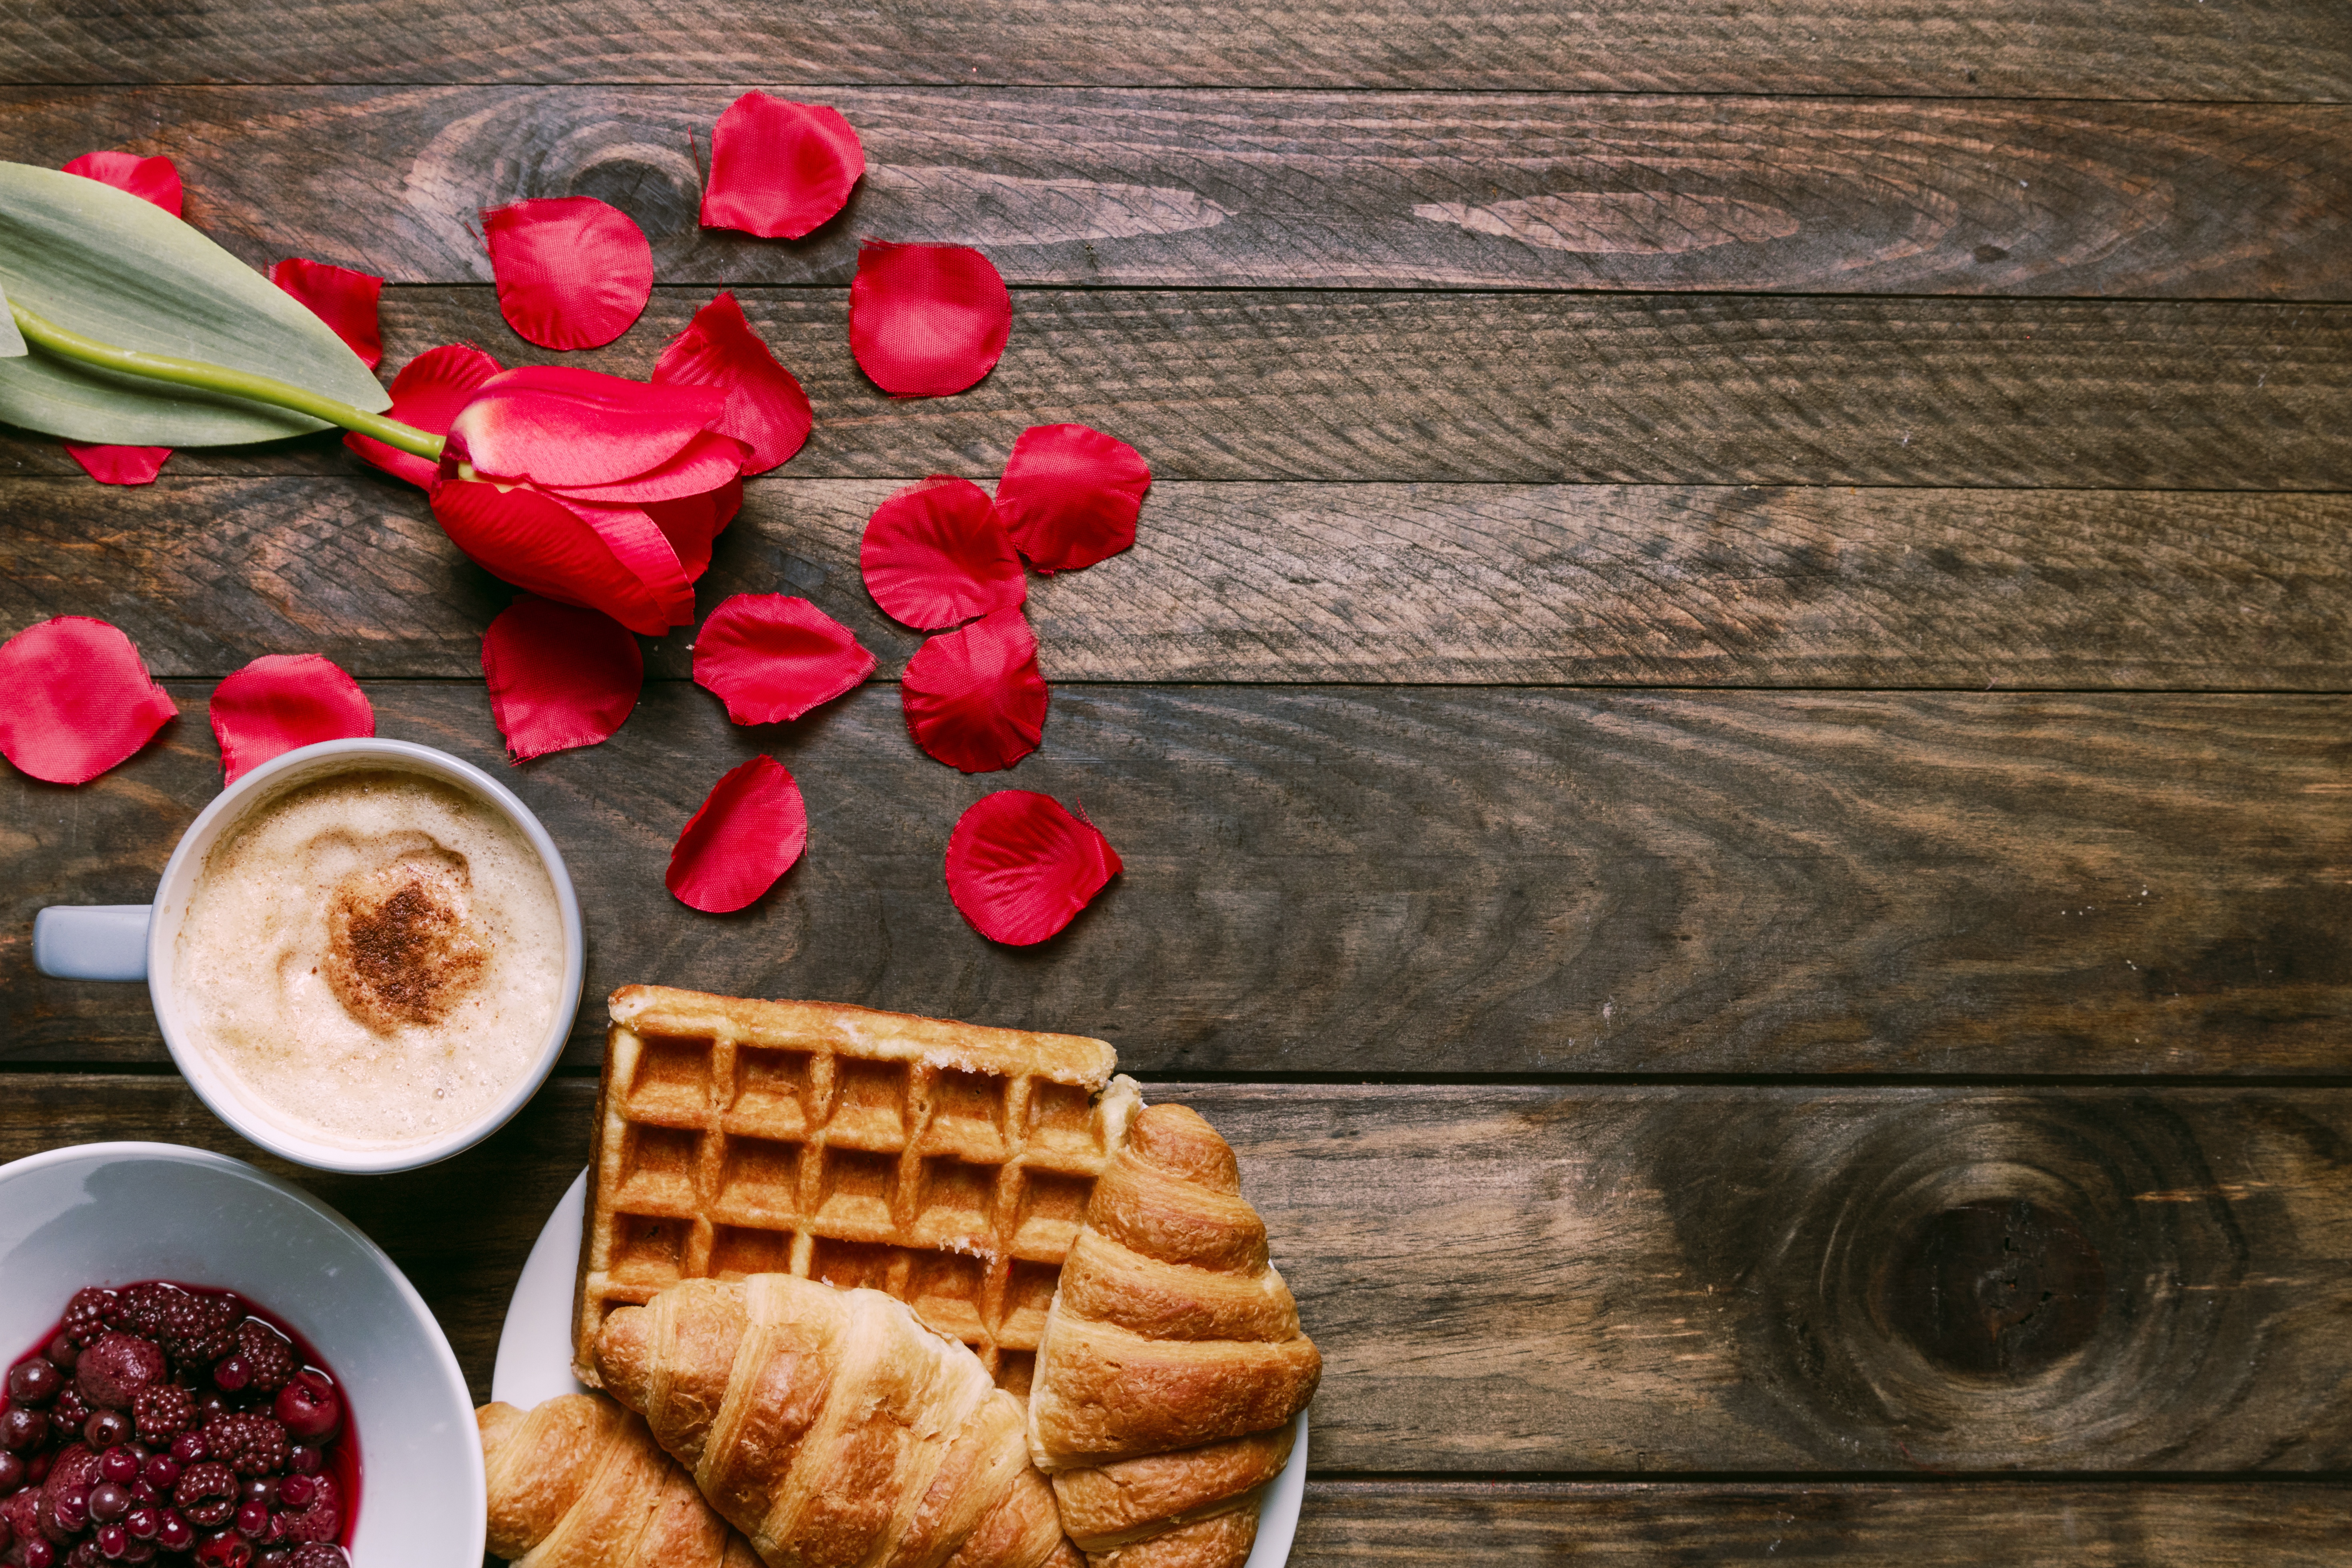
x=170 y=911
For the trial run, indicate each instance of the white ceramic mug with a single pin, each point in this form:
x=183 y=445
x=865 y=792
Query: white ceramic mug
x=140 y=942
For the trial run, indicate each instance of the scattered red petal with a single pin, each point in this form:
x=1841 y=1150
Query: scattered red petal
x=75 y=699
x=766 y=408
x=973 y=698
x=574 y=272
x=934 y=555
x=1070 y=495
x=560 y=676
x=427 y=392
x=1020 y=866
x=777 y=169
x=613 y=559
x=772 y=657
x=153 y=179
x=282 y=700
x=569 y=428
x=344 y=300
x=926 y=321
x=748 y=832
x=119 y=465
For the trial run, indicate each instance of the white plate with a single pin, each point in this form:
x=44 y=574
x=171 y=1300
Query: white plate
x=535 y=1361
x=113 y=1213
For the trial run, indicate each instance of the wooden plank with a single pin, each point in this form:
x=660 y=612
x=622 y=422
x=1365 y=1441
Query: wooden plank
x=1532 y=1280
x=1617 y=389
x=1243 y=189
x=1578 y=584
x=2004 y=49
x=1916 y=1524
x=1444 y=881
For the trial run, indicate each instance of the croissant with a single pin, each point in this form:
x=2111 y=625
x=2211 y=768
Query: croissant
x=832 y=1427
x=578 y=1482
x=1189 y=1510
x=1171 y=1329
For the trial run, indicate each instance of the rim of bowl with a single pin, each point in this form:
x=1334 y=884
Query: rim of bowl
x=445 y=1359
x=226 y=1101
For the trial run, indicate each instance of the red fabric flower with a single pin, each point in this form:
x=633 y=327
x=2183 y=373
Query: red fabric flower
x=1070 y=495
x=766 y=409
x=934 y=555
x=574 y=272
x=749 y=830
x=282 y=700
x=344 y=300
x=559 y=676
x=119 y=465
x=777 y=169
x=771 y=658
x=592 y=491
x=75 y=699
x=973 y=698
x=926 y=321
x=1020 y=866
x=153 y=179
x=427 y=394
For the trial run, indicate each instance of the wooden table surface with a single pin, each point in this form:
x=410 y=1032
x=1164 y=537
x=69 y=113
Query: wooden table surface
x=1728 y=727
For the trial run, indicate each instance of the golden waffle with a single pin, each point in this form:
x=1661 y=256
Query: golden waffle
x=946 y=1164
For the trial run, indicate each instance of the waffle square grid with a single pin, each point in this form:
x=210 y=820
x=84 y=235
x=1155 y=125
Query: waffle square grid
x=946 y=1164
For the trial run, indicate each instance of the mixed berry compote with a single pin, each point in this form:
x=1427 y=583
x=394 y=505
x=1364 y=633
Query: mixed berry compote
x=174 y=1425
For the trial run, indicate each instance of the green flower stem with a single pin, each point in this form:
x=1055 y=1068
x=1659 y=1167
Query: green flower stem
x=50 y=338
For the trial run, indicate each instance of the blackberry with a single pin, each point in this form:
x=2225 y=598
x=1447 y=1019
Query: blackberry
x=206 y=1495
x=267 y=1354
x=319 y=1522
x=70 y=1408
x=197 y=1330
x=86 y=1315
x=249 y=1442
x=163 y=1413
x=138 y=1310
x=320 y=1555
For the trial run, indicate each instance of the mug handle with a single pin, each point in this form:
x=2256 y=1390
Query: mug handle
x=91 y=941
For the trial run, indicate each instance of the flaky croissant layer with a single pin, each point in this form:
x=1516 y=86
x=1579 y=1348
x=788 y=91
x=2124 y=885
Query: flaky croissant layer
x=578 y=1482
x=833 y=1428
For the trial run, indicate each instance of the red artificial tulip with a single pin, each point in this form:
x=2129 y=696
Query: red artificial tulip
x=777 y=169
x=766 y=408
x=592 y=491
x=427 y=394
x=344 y=300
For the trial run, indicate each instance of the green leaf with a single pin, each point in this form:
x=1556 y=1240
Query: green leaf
x=107 y=263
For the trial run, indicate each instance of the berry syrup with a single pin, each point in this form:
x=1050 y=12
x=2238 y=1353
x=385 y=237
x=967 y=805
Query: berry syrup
x=213 y=1412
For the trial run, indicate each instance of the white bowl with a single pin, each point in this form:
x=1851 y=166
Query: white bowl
x=113 y=1213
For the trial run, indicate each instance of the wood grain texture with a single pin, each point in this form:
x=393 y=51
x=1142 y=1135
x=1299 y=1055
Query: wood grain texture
x=2075 y=48
x=1639 y=389
x=1242 y=189
x=1920 y=1524
x=1434 y=880
x=1616 y=586
x=1516 y=1279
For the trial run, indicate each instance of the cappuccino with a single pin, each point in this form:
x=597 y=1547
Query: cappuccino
x=372 y=959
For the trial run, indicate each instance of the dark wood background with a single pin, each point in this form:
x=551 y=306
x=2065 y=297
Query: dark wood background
x=1729 y=729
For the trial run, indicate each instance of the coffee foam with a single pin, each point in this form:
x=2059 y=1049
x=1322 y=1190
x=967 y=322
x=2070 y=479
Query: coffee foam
x=372 y=959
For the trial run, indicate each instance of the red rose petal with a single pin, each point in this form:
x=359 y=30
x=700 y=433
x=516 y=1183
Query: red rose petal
x=772 y=657
x=766 y=408
x=926 y=321
x=1070 y=495
x=119 y=465
x=934 y=555
x=560 y=676
x=282 y=700
x=973 y=698
x=427 y=394
x=75 y=699
x=613 y=559
x=748 y=832
x=153 y=179
x=1020 y=866
x=571 y=428
x=778 y=168
x=344 y=300
x=574 y=272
